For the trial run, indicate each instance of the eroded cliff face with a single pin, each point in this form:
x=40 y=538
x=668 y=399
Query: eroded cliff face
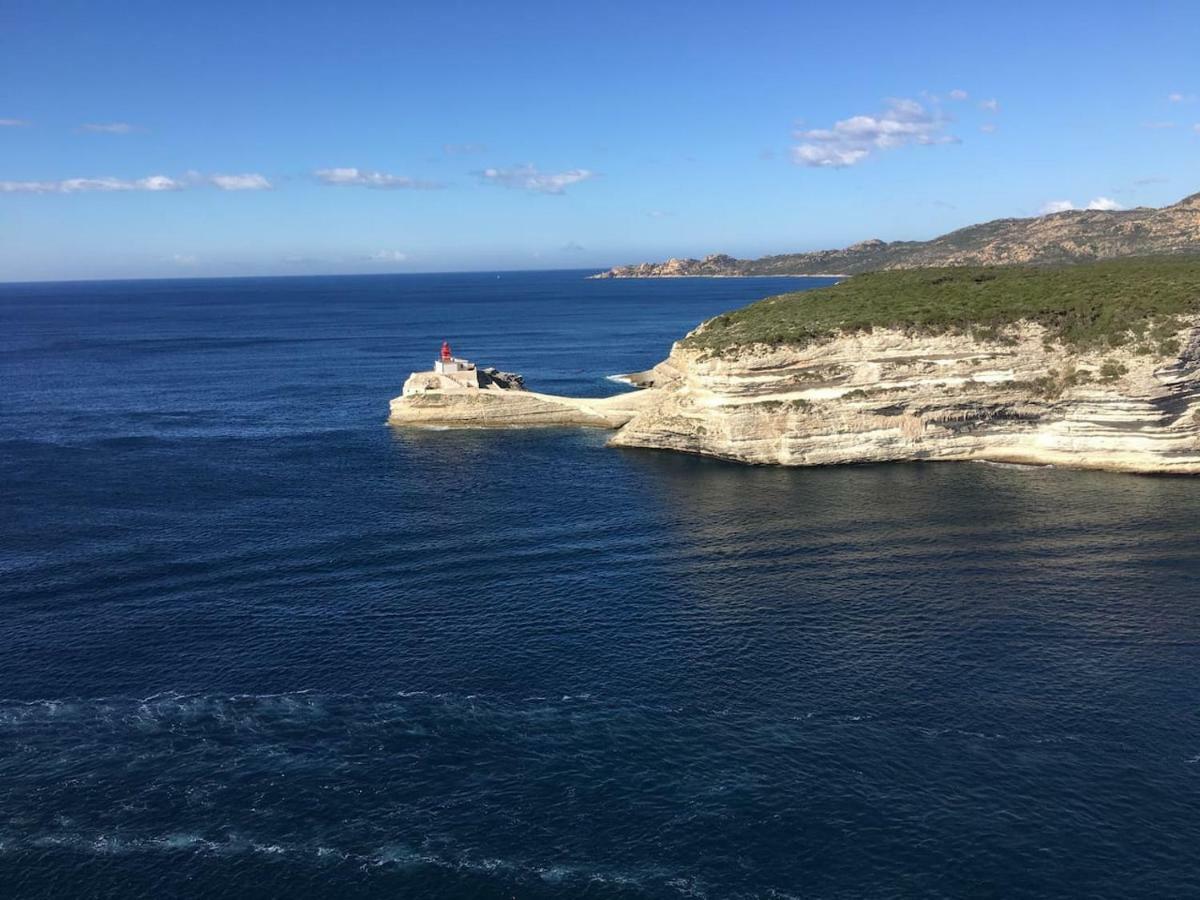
x=887 y=395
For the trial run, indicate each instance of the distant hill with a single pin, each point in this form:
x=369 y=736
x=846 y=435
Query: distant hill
x=1065 y=237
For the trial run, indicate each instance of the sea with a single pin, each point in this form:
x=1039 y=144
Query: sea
x=254 y=642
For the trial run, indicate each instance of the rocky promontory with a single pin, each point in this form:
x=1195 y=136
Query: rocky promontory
x=1093 y=367
x=491 y=399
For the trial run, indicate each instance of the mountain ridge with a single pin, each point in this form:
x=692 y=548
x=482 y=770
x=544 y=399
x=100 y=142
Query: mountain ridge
x=1071 y=236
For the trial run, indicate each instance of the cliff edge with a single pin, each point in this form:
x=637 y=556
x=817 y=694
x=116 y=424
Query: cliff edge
x=1093 y=366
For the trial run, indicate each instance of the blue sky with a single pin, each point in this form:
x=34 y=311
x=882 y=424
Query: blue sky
x=146 y=139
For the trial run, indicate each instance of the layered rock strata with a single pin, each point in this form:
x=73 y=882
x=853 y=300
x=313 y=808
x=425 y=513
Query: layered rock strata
x=887 y=395
x=880 y=396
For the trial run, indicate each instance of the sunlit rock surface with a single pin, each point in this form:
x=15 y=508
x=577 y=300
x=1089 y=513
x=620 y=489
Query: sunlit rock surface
x=887 y=395
x=430 y=398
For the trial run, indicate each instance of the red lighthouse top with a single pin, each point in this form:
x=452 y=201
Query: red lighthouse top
x=446 y=351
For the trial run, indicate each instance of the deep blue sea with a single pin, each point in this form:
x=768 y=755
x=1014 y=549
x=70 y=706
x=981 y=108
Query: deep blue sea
x=256 y=643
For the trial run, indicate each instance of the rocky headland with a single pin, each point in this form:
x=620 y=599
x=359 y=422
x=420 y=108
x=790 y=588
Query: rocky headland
x=433 y=399
x=1093 y=367
x=1073 y=236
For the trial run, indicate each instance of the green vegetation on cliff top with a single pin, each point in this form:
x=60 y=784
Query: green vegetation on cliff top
x=1091 y=306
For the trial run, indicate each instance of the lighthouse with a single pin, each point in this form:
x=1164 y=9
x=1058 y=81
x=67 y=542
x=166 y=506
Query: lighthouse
x=454 y=375
x=449 y=364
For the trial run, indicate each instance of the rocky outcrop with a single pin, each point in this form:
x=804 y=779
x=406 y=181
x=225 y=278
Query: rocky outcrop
x=509 y=381
x=501 y=401
x=888 y=395
x=715 y=265
x=1065 y=237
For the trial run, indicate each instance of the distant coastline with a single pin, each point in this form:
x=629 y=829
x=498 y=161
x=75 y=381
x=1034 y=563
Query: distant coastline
x=602 y=275
x=1072 y=236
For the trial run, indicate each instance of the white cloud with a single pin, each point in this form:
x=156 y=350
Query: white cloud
x=250 y=181
x=1180 y=97
x=13 y=123
x=850 y=141
x=109 y=128
x=988 y=127
x=827 y=156
x=1104 y=204
x=388 y=256
x=351 y=177
x=958 y=94
x=183 y=259
x=528 y=178
x=83 y=185
x=992 y=105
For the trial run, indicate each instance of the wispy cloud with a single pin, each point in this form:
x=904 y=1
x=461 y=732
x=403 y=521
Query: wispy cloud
x=152 y=183
x=183 y=259
x=352 y=177
x=573 y=247
x=109 y=128
x=463 y=149
x=13 y=123
x=387 y=256
x=1180 y=97
x=248 y=181
x=528 y=178
x=850 y=141
x=959 y=94
x=992 y=105
x=1196 y=128
x=1158 y=126
x=1104 y=204
x=988 y=127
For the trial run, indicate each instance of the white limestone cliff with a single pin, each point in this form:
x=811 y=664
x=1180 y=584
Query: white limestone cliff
x=880 y=396
x=887 y=395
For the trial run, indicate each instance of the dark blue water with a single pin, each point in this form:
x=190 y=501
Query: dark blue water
x=254 y=643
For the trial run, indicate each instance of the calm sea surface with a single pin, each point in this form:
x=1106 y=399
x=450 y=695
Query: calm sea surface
x=255 y=643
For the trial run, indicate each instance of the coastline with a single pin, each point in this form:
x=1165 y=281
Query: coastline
x=606 y=277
